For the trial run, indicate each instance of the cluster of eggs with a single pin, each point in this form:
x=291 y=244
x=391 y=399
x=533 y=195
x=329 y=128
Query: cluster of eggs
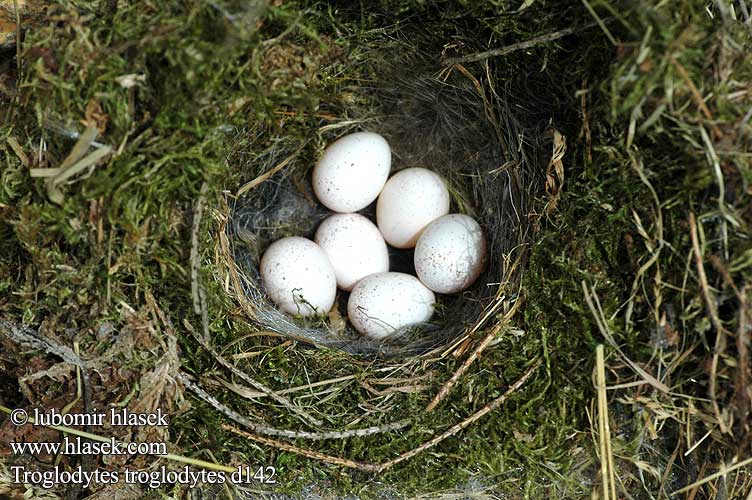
x=350 y=252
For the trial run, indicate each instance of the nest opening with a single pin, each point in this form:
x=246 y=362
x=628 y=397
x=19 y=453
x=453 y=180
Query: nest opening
x=454 y=125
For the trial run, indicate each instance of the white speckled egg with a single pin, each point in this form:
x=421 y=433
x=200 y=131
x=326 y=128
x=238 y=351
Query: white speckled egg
x=382 y=303
x=352 y=171
x=411 y=199
x=298 y=277
x=450 y=253
x=354 y=246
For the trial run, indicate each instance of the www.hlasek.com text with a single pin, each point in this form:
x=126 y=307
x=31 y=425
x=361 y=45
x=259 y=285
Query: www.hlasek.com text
x=78 y=446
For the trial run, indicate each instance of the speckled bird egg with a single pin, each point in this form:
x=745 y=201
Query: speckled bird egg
x=382 y=303
x=411 y=199
x=298 y=277
x=354 y=246
x=450 y=254
x=352 y=171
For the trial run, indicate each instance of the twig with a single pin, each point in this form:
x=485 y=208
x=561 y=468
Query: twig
x=197 y=291
x=720 y=331
x=256 y=384
x=724 y=470
x=538 y=40
x=271 y=431
x=371 y=467
x=447 y=387
x=496 y=403
x=364 y=466
x=742 y=374
x=604 y=429
x=695 y=488
x=24 y=335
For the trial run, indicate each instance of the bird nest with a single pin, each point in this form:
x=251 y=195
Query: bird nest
x=452 y=123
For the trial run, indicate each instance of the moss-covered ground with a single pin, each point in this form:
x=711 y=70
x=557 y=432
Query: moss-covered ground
x=649 y=243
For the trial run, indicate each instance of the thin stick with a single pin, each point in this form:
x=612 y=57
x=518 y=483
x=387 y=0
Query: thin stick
x=25 y=336
x=538 y=40
x=742 y=370
x=496 y=403
x=693 y=491
x=315 y=455
x=710 y=304
x=447 y=387
x=197 y=291
x=724 y=470
x=253 y=395
x=253 y=382
x=271 y=431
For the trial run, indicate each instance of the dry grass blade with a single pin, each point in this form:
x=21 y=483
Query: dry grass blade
x=81 y=165
x=248 y=394
x=712 y=311
x=268 y=174
x=81 y=147
x=604 y=429
x=555 y=172
x=538 y=40
x=16 y=147
x=76 y=162
x=600 y=22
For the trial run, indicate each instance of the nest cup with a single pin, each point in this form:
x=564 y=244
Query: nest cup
x=455 y=125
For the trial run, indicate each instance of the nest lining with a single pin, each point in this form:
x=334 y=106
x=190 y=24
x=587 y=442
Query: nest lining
x=452 y=126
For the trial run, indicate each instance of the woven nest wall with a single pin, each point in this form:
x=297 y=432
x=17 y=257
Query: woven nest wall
x=447 y=121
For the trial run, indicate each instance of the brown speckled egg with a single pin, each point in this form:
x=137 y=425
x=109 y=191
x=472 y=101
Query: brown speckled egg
x=352 y=171
x=382 y=303
x=298 y=277
x=450 y=254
